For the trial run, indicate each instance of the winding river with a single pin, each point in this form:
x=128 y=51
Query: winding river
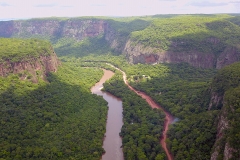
x=168 y=119
x=112 y=141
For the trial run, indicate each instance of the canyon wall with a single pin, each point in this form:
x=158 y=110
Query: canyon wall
x=141 y=54
x=32 y=68
x=53 y=28
x=81 y=28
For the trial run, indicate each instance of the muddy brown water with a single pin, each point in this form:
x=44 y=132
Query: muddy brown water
x=112 y=142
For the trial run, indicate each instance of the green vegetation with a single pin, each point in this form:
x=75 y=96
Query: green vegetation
x=206 y=34
x=232 y=135
x=180 y=89
x=193 y=137
x=16 y=50
x=177 y=33
x=184 y=92
x=142 y=125
x=50 y=121
x=227 y=83
x=56 y=120
x=70 y=47
x=226 y=78
x=125 y=27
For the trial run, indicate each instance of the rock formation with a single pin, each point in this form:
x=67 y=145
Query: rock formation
x=33 y=67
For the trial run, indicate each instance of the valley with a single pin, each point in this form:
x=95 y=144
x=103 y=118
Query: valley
x=168 y=119
x=112 y=141
x=162 y=67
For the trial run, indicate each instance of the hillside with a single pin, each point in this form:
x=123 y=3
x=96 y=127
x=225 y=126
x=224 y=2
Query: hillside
x=31 y=59
x=186 y=51
x=225 y=88
x=76 y=36
x=205 y=101
x=46 y=109
x=207 y=41
x=202 y=41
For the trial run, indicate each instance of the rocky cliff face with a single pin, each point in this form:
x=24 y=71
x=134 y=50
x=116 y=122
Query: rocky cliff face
x=222 y=149
x=228 y=56
x=140 y=54
x=115 y=39
x=218 y=148
x=78 y=29
x=216 y=101
x=32 y=67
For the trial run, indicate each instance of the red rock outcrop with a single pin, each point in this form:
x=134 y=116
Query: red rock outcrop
x=141 y=54
x=43 y=64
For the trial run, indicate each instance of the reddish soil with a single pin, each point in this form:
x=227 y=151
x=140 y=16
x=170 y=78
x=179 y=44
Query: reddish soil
x=168 y=119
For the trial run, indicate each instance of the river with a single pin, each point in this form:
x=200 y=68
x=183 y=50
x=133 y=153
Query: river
x=112 y=142
x=168 y=118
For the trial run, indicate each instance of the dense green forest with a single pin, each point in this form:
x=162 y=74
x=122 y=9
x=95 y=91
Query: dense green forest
x=58 y=119
x=12 y=49
x=184 y=92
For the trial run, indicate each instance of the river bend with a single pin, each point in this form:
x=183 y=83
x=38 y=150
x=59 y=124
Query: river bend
x=112 y=142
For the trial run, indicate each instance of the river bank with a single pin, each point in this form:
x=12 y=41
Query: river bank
x=112 y=142
x=168 y=118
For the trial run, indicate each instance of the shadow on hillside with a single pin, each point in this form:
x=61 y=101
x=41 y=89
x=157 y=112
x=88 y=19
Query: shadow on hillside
x=220 y=35
x=53 y=121
x=96 y=46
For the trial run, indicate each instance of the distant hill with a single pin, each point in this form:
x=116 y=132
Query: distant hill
x=208 y=41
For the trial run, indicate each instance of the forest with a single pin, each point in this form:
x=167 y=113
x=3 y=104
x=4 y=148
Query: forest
x=59 y=118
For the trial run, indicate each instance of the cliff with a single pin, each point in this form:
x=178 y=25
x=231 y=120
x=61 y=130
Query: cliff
x=140 y=54
x=33 y=65
x=226 y=146
x=31 y=68
x=149 y=55
x=202 y=41
x=53 y=28
x=225 y=91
